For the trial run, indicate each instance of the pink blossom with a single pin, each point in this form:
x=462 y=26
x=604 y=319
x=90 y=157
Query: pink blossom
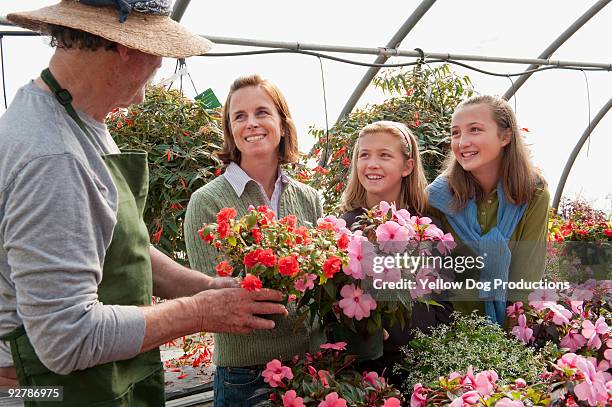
x=389 y=275
x=446 y=244
x=392 y=237
x=608 y=355
x=419 y=396
x=521 y=331
x=355 y=304
x=469 y=380
x=468 y=398
x=453 y=376
x=335 y=346
x=538 y=298
x=290 y=399
x=485 y=381
x=324 y=377
x=384 y=207
x=561 y=315
x=520 y=383
x=592 y=332
x=373 y=379
x=275 y=372
x=305 y=282
x=593 y=388
x=577 y=307
x=582 y=294
x=423 y=278
x=332 y=400
x=573 y=341
x=392 y=402
x=361 y=256
x=515 y=309
x=506 y=402
x=568 y=361
x=338 y=223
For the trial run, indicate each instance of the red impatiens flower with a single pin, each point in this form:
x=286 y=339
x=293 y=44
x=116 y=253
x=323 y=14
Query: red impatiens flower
x=343 y=242
x=252 y=258
x=251 y=283
x=224 y=269
x=208 y=238
x=608 y=232
x=256 y=234
x=218 y=172
x=226 y=214
x=288 y=265
x=332 y=265
x=290 y=221
x=223 y=228
x=267 y=258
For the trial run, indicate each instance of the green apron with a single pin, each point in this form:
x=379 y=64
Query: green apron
x=126 y=280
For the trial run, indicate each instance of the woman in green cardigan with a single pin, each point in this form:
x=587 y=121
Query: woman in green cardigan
x=494 y=202
x=259 y=136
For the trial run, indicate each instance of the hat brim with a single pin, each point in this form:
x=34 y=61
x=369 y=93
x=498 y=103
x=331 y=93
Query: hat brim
x=153 y=34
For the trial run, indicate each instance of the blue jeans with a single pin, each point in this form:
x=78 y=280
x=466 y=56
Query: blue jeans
x=236 y=386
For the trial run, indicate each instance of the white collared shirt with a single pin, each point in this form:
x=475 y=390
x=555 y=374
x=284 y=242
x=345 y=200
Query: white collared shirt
x=238 y=180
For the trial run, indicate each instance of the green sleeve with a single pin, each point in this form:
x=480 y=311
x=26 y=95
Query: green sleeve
x=201 y=255
x=528 y=242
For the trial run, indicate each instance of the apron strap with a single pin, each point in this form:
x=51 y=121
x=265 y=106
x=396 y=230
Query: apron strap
x=64 y=98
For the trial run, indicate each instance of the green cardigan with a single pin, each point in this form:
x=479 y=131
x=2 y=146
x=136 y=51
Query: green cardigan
x=527 y=245
x=259 y=347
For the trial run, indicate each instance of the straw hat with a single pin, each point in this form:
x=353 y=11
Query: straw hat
x=153 y=34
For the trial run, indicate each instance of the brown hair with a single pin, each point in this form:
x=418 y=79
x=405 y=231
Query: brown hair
x=412 y=193
x=519 y=177
x=288 y=147
x=69 y=38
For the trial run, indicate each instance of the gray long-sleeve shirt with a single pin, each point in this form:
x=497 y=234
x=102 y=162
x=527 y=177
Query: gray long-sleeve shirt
x=57 y=213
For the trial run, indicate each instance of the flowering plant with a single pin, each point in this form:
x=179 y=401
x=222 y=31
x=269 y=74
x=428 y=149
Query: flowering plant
x=274 y=253
x=577 y=319
x=326 y=379
x=571 y=379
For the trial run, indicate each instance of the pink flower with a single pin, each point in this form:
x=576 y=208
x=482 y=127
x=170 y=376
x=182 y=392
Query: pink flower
x=446 y=243
x=338 y=225
x=290 y=399
x=355 y=304
x=392 y=237
x=361 y=256
x=573 y=340
x=275 y=372
x=506 y=402
x=335 y=346
x=485 y=382
x=306 y=282
x=593 y=388
x=423 y=278
x=392 y=402
x=419 y=396
x=538 y=298
x=389 y=275
x=515 y=309
x=561 y=315
x=384 y=207
x=373 y=379
x=332 y=400
x=568 y=361
x=521 y=331
x=324 y=377
x=520 y=383
x=468 y=398
x=608 y=355
x=592 y=332
x=453 y=376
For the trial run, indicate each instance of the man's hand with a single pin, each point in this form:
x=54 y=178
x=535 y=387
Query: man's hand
x=223 y=282
x=234 y=310
x=8 y=378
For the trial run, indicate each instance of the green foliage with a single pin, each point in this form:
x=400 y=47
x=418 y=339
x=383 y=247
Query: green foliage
x=179 y=136
x=468 y=340
x=423 y=99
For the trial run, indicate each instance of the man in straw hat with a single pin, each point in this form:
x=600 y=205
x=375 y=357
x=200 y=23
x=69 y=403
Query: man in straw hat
x=76 y=269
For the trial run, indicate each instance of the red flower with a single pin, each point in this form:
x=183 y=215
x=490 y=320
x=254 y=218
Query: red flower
x=263 y=208
x=331 y=266
x=256 y=233
x=223 y=229
x=218 y=172
x=186 y=133
x=226 y=214
x=157 y=235
x=169 y=155
x=288 y=265
x=267 y=258
x=224 y=269
x=183 y=183
x=345 y=161
x=252 y=258
x=301 y=235
x=290 y=221
x=343 y=242
x=251 y=283
x=608 y=232
x=207 y=238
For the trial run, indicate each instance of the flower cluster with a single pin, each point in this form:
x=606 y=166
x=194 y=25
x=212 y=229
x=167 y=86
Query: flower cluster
x=576 y=374
x=274 y=253
x=578 y=319
x=326 y=379
x=578 y=221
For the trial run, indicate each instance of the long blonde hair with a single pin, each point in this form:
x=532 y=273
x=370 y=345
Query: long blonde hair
x=519 y=177
x=412 y=193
